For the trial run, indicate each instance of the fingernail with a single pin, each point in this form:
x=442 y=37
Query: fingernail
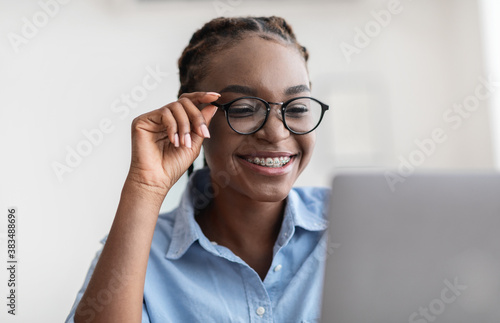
x=187 y=140
x=204 y=131
x=216 y=108
x=213 y=93
x=176 y=140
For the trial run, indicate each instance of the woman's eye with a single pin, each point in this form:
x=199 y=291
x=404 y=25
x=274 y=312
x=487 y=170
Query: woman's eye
x=241 y=111
x=296 y=111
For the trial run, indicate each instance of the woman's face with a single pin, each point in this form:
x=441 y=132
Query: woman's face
x=274 y=72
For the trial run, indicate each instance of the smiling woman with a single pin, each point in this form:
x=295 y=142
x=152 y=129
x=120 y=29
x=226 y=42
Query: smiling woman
x=243 y=244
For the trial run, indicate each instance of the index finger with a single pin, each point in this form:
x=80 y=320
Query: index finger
x=199 y=98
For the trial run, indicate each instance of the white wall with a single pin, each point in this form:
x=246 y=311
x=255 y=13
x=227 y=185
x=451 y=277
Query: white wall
x=65 y=79
x=490 y=26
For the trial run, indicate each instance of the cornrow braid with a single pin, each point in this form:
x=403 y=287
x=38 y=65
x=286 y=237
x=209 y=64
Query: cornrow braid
x=220 y=32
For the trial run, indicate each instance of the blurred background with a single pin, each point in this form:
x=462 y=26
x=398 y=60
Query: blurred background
x=412 y=85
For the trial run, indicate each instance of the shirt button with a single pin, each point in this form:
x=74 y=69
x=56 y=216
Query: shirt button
x=277 y=268
x=261 y=311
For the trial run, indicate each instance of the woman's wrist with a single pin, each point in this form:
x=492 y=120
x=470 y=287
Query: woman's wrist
x=137 y=189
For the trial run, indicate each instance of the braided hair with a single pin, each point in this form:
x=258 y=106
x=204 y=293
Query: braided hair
x=222 y=32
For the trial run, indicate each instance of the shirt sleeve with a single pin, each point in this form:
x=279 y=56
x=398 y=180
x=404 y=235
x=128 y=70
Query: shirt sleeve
x=88 y=310
x=145 y=315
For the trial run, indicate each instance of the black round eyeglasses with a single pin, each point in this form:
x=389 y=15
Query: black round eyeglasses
x=248 y=114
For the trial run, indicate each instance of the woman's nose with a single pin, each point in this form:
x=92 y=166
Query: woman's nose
x=274 y=129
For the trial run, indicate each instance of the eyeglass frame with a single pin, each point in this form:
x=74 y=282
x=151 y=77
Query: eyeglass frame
x=226 y=106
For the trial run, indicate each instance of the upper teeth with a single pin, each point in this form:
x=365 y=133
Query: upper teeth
x=269 y=162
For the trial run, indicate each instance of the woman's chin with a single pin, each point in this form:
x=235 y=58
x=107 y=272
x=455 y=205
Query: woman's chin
x=268 y=192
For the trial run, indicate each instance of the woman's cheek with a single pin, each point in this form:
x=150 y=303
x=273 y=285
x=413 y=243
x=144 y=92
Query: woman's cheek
x=306 y=144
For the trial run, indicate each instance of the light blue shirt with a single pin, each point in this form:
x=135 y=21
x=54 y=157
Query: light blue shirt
x=190 y=279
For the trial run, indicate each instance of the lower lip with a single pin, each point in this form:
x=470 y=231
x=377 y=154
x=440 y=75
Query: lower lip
x=269 y=171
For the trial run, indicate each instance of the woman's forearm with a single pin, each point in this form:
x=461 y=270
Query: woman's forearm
x=165 y=142
x=115 y=291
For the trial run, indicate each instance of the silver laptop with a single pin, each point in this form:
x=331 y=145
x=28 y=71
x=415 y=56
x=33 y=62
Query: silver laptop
x=426 y=249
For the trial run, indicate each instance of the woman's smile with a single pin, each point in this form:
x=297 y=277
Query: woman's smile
x=269 y=163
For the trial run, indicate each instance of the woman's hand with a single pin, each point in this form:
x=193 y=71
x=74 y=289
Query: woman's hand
x=166 y=141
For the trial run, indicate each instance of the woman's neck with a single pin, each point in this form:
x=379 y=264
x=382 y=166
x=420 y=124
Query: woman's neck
x=247 y=227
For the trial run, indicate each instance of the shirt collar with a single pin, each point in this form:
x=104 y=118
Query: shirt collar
x=305 y=208
x=308 y=208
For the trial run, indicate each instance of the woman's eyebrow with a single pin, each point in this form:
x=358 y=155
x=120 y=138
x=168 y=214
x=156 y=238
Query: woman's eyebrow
x=249 y=91
x=297 y=89
x=239 y=89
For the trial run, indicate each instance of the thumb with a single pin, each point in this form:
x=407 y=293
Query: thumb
x=208 y=113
